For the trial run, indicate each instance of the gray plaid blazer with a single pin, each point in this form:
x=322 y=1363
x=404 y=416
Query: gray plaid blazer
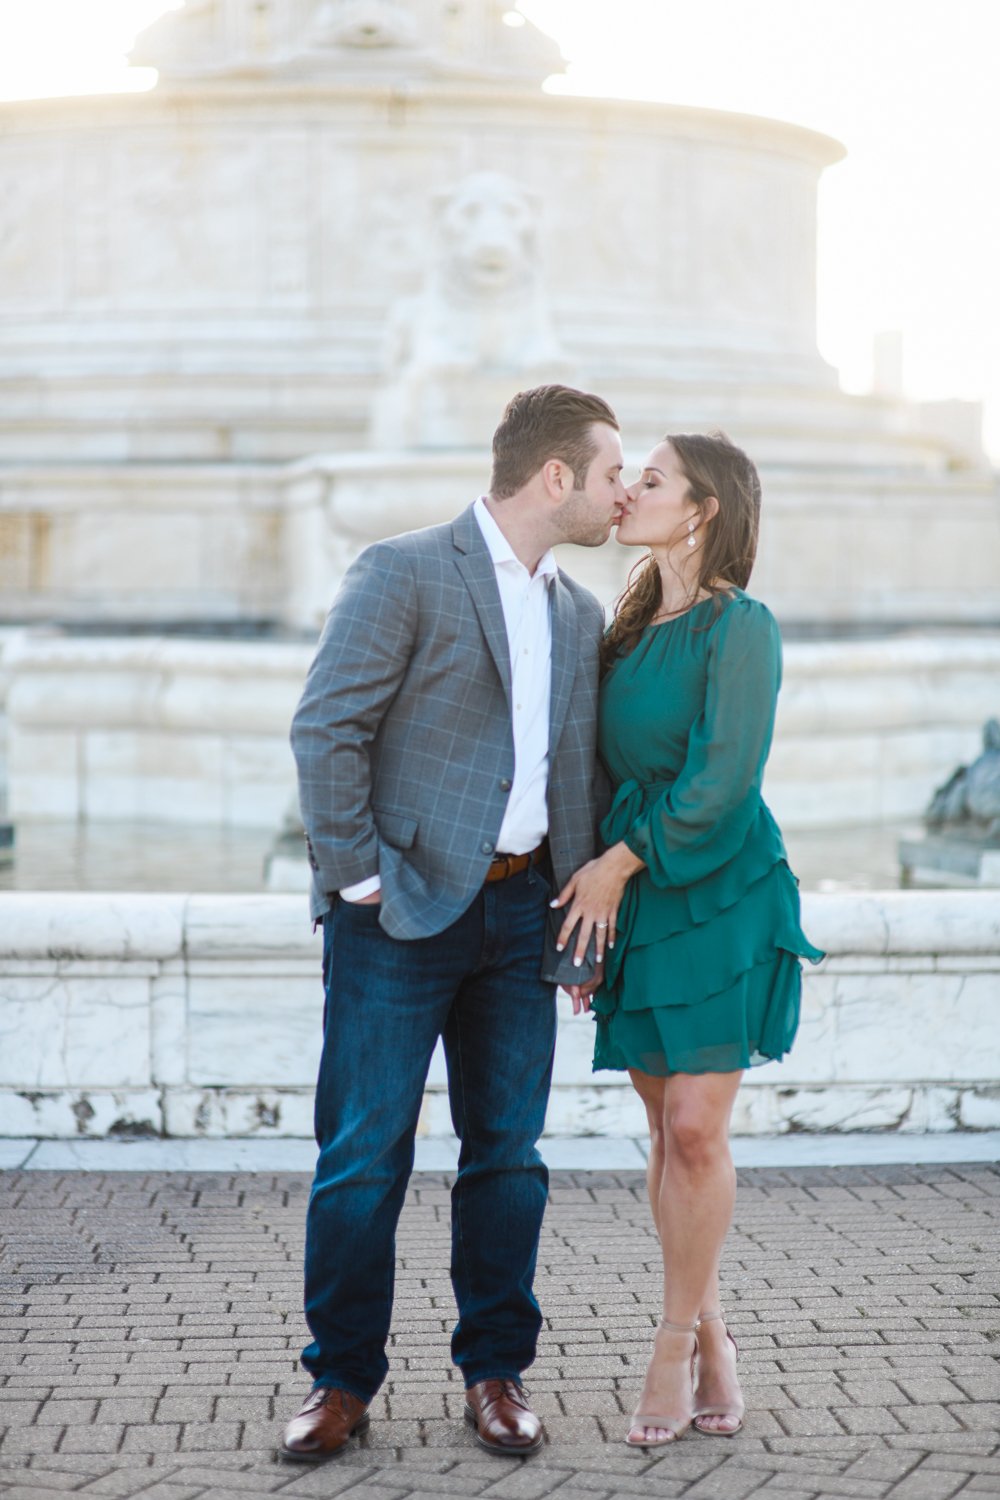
x=403 y=735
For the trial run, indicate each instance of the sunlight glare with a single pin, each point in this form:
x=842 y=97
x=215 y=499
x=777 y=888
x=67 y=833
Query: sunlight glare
x=54 y=47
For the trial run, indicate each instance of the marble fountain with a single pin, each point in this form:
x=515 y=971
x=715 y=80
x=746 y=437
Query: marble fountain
x=270 y=311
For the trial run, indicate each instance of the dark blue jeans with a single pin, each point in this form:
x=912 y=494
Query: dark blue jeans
x=476 y=984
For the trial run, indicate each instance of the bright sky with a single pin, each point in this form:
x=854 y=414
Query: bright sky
x=909 y=223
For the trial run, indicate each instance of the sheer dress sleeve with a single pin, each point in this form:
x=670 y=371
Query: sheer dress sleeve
x=702 y=819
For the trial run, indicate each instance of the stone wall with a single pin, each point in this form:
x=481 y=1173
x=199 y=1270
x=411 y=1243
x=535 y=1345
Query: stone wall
x=191 y=732
x=244 y=541
x=200 y=1015
x=197 y=732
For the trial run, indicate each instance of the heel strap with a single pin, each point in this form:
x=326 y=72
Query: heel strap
x=711 y=1317
x=678 y=1327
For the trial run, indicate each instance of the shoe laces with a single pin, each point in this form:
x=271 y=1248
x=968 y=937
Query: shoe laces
x=323 y=1395
x=496 y=1389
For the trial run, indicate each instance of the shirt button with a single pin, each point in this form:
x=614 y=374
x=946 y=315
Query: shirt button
x=487 y=848
x=506 y=784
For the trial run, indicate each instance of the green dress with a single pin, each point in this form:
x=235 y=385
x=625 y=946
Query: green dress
x=705 y=974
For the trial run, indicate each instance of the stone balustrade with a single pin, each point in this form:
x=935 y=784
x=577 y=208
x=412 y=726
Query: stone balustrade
x=196 y=732
x=194 y=1015
x=234 y=541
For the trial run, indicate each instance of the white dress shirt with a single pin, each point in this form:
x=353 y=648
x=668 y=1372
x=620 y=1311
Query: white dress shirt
x=525 y=600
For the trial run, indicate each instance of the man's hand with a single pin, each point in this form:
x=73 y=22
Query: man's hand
x=580 y=994
x=375 y=899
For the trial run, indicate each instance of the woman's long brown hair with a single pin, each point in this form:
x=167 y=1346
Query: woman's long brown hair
x=715 y=466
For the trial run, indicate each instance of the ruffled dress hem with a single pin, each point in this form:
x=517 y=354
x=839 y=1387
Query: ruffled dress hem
x=706 y=979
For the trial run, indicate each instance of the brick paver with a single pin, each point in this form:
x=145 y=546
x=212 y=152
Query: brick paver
x=151 y=1324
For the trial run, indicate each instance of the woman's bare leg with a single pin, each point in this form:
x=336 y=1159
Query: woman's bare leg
x=699 y=1195
x=698 y=1191
x=692 y=1192
x=652 y=1092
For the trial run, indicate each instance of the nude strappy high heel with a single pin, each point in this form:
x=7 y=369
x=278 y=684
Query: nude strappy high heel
x=675 y=1427
x=735 y=1409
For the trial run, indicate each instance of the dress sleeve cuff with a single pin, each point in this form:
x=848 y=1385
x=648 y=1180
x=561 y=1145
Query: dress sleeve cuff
x=637 y=839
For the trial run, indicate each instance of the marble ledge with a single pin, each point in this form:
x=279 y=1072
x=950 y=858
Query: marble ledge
x=292 y=967
x=894 y=927
x=821 y=661
x=234 y=927
x=987 y=962
x=809 y=662
x=228 y=659
x=897 y=923
x=63 y=926
x=63 y=969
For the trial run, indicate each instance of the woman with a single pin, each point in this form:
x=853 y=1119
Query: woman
x=694 y=907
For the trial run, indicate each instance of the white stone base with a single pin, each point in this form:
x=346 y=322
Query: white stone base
x=151 y=729
x=243 y=541
x=575 y=1110
x=199 y=1016
x=196 y=732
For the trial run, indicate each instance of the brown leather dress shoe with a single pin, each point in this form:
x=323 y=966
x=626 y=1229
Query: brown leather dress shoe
x=504 y=1422
x=321 y=1429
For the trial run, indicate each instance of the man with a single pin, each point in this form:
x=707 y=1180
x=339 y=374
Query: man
x=445 y=745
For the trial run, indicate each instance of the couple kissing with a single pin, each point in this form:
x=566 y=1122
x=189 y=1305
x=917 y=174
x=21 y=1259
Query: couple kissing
x=501 y=795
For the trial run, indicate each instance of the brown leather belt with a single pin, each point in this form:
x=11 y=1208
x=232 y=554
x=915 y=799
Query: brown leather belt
x=502 y=866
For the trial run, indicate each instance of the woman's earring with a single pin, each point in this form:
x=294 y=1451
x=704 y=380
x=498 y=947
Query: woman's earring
x=691 y=541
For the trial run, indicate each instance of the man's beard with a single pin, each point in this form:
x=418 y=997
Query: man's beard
x=577 y=523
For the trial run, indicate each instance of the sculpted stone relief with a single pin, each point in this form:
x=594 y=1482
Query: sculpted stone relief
x=483 y=305
x=15 y=250
x=369 y=217
x=799 y=231
x=191 y=35
x=738 y=213
x=90 y=263
x=284 y=229
x=478 y=328
x=619 y=210
x=969 y=802
x=165 y=217
x=185 y=232
x=365 y=24
x=31 y=226
x=220 y=36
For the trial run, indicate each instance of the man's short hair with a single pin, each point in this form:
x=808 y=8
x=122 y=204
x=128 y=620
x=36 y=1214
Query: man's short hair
x=551 y=421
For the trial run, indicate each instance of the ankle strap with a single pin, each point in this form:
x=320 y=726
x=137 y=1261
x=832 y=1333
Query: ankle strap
x=711 y=1317
x=678 y=1327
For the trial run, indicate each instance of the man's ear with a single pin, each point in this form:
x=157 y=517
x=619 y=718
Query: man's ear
x=557 y=477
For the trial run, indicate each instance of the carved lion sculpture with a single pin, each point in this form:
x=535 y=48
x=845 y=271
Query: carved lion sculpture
x=364 y=23
x=483 y=304
x=971 y=797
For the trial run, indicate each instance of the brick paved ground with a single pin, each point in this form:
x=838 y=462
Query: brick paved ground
x=151 y=1325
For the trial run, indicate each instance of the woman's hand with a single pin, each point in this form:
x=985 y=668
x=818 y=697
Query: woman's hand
x=593 y=896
